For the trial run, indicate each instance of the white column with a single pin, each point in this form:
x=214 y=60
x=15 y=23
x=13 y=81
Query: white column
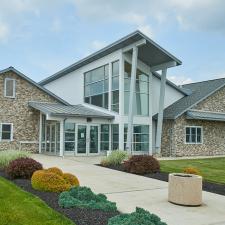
x=61 y=148
x=121 y=101
x=40 y=133
x=131 y=99
x=160 y=113
x=150 y=112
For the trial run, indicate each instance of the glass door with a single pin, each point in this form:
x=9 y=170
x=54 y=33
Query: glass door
x=81 y=139
x=94 y=139
x=52 y=138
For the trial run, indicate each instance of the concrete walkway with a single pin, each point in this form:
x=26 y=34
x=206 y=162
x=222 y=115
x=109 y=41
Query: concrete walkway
x=129 y=191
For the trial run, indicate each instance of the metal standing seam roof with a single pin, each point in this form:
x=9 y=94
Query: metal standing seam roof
x=33 y=83
x=55 y=109
x=157 y=54
x=204 y=115
x=199 y=92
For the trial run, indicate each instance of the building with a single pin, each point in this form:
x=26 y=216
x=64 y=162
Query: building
x=113 y=99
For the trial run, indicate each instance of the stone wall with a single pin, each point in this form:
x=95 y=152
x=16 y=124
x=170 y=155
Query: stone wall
x=213 y=131
x=25 y=119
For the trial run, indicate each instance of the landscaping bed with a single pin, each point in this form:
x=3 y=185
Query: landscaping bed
x=77 y=215
x=207 y=186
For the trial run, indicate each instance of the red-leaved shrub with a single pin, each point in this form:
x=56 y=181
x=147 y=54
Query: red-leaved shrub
x=141 y=164
x=22 y=168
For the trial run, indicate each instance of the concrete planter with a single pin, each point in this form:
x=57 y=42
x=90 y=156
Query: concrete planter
x=185 y=189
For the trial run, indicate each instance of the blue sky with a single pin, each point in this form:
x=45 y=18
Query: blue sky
x=40 y=37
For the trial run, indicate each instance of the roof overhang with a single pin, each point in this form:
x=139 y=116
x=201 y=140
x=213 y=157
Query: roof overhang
x=148 y=51
x=205 y=115
x=68 y=111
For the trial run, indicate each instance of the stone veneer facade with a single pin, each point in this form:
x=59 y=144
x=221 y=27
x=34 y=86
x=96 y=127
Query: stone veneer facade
x=173 y=137
x=16 y=110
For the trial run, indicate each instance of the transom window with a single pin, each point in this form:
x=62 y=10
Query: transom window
x=6 y=132
x=194 y=135
x=96 y=86
x=10 y=88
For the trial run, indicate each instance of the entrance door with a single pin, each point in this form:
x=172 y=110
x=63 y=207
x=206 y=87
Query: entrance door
x=51 y=138
x=87 y=139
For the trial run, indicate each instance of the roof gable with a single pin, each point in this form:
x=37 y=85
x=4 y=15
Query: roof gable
x=12 y=69
x=200 y=91
x=121 y=43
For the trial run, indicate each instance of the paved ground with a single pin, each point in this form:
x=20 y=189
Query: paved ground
x=130 y=190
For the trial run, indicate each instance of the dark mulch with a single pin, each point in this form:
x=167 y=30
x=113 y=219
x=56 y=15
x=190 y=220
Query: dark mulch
x=207 y=186
x=77 y=215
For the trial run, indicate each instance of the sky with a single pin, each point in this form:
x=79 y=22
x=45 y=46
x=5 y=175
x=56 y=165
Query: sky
x=41 y=37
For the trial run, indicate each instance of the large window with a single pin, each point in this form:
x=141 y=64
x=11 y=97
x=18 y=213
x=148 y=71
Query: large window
x=10 y=88
x=96 y=86
x=193 y=135
x=140 y=140
x=69 y=137
x=6 y=132
x=115 y=136
x=141 y=96
x=115 y=86
x=104 y=137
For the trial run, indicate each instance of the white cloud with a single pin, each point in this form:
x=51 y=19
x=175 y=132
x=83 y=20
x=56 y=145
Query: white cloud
x=180 y=80
x=96 y=45
x=4 y=32
x=56 y=25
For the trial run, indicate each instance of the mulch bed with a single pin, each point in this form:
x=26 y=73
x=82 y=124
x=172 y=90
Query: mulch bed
x=77 y=215
x=207 y=186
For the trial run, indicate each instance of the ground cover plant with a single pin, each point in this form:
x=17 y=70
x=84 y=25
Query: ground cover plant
x=21 y=208
x=139 y=217
x=83 y=197
x=7 y=156
x=22 y=168
x=53 y=180
x=212 y=169
x=114 y=158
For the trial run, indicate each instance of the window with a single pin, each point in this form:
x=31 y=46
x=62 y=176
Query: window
x=69 y=137
x=141 y=96
x=194 y=135
x=140 y=137
x=6 y=132
x=115 y=86
x=10 y=88
x=104 y=137
x=115 y=136
x=96 y=86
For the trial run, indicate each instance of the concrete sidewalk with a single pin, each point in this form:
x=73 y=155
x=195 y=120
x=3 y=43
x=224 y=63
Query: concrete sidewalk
x=129 y=191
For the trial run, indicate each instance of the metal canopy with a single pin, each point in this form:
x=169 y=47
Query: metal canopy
x=56 y=109
x=204 y=115
x=150 y=53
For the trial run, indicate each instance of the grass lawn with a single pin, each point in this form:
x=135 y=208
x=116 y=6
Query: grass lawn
x=212 y=169
x=21 y=208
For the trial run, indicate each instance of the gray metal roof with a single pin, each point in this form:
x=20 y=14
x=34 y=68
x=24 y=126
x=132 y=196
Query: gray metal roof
x=199 y=92
x=150 y=53
x=33 y=83
x=55 y=109
x=204 y=115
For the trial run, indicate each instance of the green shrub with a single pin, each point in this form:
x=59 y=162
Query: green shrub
x=140 y=217
x=7 y=156
x=83 y=197
x=141 y=164
x=115 y=158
